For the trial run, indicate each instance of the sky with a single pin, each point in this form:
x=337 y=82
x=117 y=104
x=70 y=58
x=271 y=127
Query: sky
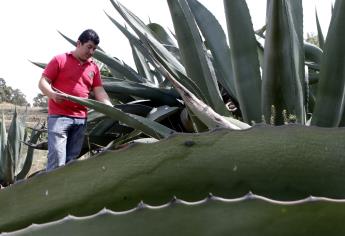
x=29 y=30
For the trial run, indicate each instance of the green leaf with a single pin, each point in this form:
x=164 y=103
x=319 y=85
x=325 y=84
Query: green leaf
x=248 y=215
x=245 y=60
x=329 y=105
x=201 y=110
x=283 y=73
x=157 y=95
x=145 y=34
x=226 y=163
x=142 y=65
x=161 y=35
x=319 y=31
x=216 y=42
x=3 y=149
x=145 y=125
x=194 y=56
x=26 y=165
x=39 y=64
x=313 y=53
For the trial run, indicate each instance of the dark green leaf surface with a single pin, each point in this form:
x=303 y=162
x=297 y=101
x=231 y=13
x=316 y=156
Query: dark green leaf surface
x=329 y=107
x=217 y=43
x=245 y=60
x=250 y=215
x=303 y=161
x=283 y=73
x=193 y=52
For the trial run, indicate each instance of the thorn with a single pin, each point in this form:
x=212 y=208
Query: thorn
x=141 y=205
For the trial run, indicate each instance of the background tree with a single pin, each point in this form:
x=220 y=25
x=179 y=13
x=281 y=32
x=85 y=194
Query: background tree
x=40 y=100
x=10 y=95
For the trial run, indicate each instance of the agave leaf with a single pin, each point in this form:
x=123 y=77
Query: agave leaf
x=201 y=110
x=137 y=109
x=39 y=64
x=283 y=73
x=132 y=39
x=16 y=133
x=313 y=53
x=3 y=148
x=216 y=41
x=254 y=215
x=153 y=173
x=120 y=67
x=194 y=56
x=164 y=38
x=319 y=31
x=161 y=96
x=244 y=60
x=329 y=105
x=160 y=113
x=99 y=124
x=142 y=56
x=157 y=114
x=146 y=35
x=162 y=56
x=180 y=77
x=145 y=125
x=142 y=65
x=26 y=166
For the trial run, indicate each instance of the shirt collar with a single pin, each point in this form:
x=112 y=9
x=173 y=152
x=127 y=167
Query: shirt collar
x=89 y=61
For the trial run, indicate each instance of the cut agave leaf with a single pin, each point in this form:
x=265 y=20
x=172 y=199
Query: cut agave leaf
x=145 y=125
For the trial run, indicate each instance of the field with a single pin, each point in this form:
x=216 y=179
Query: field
x=33 y=115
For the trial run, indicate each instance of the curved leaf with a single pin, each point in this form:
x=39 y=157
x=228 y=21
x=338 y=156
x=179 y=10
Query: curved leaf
x=145 y=125
x=216 y=42
x=186 y=166
x=193 y=52
x=329 y=105
x=248 y=215
x=245 y=60
x=161 y=96
x=319 y=31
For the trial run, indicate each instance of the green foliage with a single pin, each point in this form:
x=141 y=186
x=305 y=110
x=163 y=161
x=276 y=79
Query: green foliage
x=14 y=163
x=299 y=83
x=40 y=101
x=10 y=95
x=185 y=166
x=211 y=216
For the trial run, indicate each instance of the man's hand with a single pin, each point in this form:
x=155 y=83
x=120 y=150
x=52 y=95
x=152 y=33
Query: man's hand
x=102 y=96
x=46 y=88
x=57 y=97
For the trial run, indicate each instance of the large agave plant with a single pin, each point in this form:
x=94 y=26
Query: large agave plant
x=272 y=78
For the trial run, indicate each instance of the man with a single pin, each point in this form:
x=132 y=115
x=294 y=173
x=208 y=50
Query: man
x=76 y=74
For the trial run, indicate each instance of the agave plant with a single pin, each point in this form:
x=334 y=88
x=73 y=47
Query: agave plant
x=14 y=163
x=220 y=85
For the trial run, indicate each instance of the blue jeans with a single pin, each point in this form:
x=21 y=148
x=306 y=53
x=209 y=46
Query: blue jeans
x=65 y=139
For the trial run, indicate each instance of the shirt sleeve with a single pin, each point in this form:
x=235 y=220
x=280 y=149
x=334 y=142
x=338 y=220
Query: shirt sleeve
x=51 y=71
x=97 y=79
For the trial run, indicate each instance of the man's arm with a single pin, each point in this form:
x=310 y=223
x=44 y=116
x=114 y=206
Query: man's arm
x=101 y=95
x=46 y=88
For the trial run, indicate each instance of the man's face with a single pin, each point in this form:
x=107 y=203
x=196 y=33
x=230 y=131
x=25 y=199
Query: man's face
x=86 y=50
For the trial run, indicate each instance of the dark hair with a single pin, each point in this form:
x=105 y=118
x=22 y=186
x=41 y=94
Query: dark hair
x=89 y=35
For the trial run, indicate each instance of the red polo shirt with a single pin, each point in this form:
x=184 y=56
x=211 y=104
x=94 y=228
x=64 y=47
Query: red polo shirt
x=68 y=75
